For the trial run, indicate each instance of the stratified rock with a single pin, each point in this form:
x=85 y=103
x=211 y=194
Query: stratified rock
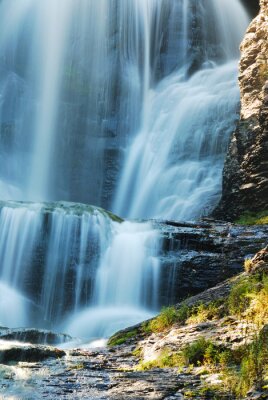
x=245 y=177
x=34 y=336
x=196 y=257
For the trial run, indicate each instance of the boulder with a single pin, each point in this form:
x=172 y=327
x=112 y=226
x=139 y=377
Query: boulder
x=34 y=336
x=10 y=352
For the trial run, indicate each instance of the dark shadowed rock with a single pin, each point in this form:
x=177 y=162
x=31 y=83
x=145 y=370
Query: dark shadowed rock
x=34 y=336
x=15 y=353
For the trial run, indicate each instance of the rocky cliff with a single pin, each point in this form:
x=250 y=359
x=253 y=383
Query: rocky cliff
x=245 y=177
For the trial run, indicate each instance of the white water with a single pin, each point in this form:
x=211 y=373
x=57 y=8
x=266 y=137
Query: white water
x=180 y=177
x=127 y=283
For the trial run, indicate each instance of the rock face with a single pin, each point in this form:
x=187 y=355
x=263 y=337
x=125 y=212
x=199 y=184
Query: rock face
x=196 y=257
x=245 y=177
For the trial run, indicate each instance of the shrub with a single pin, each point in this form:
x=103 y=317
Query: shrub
x=239 y=299
x=167 y=317
x=250 y=218
x=252 y=369
x=205 y=312
x=164 y=320
x=194 y=353
x=183 y=313
x=201 y=351
x=258 y=309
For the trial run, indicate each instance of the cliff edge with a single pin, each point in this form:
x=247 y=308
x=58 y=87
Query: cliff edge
x=245 y=175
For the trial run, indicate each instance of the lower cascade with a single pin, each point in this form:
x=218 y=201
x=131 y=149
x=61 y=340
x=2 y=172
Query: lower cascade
x=75 y=268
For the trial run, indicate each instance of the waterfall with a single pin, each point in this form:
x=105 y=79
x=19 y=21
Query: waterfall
x=173 y=166
x=64 y=261
x=124 y=104
x=127 y=281
x=79 y=82
x=181 y=177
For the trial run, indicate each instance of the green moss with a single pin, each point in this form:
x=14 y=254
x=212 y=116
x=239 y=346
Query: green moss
x=250 y=218
x=122 y=337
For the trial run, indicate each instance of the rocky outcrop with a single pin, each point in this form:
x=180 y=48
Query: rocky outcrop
x=198 y=256
x=33 y=336
x=245 y=177
x=10 y=353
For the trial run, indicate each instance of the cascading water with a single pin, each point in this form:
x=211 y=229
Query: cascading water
x=173 y=167
x=180 y=177
x=64 y=262
x=125 y=104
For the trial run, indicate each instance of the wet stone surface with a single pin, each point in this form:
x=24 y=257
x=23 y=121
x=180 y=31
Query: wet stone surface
x=102 y=374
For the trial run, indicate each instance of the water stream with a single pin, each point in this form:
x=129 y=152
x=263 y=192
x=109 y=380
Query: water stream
x=124 y=104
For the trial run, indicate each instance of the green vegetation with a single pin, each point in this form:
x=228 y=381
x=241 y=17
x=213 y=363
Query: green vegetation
x=248 y=265
x=249 y=298
x=168 y=317
x=239 y=298
x=240 y=367
x=206 y=312
x=185 y=314
x=166 y=359
x=164 y=320
x=250 y=218
x=199 y=352
x=251 y=370
x=122 y=337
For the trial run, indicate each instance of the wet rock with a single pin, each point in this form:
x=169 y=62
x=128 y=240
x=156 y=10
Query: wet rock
x=197 y=256
x=15 y=353
x=34 y=336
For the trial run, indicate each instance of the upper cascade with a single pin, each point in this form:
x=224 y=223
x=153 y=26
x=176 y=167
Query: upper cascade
x=82 y=80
